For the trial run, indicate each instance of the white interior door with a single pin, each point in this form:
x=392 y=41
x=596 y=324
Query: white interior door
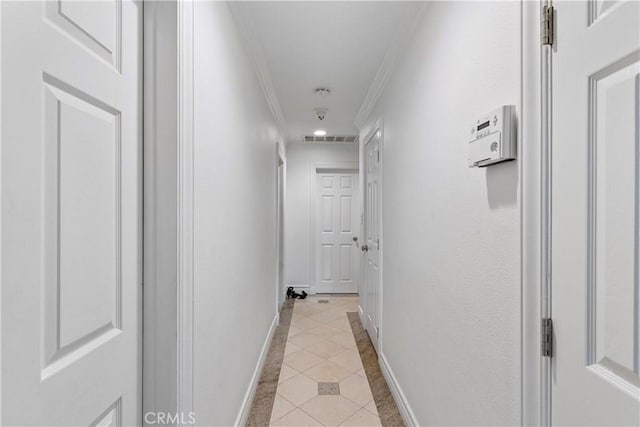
x=71 y=217
x=337 y=260
x=596 y=213
x=371 y=247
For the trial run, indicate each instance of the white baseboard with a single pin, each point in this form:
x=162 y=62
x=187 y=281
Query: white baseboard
x=243 y=415
x=401 y=401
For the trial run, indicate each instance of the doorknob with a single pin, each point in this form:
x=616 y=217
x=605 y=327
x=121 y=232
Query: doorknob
x=365 y=248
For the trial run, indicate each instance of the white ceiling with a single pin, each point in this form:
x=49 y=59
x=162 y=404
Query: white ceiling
x=337 y=45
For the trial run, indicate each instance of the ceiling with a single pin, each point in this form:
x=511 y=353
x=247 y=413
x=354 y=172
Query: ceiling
x=335 y=45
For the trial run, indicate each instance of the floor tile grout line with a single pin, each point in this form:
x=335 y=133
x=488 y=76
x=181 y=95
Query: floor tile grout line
x=360 y=406
x=285 y=414
x=295 y=315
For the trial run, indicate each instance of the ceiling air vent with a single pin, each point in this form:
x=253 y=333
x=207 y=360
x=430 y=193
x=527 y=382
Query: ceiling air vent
x=331 y=138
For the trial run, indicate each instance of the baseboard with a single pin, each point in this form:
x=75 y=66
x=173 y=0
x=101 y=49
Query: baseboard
x=245 y=408
x=401 y=401
x=361 y=314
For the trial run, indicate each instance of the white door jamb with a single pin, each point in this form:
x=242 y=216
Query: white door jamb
x=535 y=228
x=185 y=207
x=281 y=229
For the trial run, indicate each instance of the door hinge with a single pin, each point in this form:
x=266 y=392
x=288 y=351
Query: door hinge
x=547 y=30
x=547 y=337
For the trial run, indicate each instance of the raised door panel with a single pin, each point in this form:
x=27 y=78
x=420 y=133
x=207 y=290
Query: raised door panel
x=614 y=238
x=82 y=223
x=326 y=214
x=112 y=417
x=598 y=9
x=96 y=28
x=346 y=182
x=346 y=273
x=326 y=182
x=346 y=217
x=326 y=262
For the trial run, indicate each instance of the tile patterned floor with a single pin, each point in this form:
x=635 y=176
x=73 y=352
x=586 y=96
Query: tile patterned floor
x=320 y=348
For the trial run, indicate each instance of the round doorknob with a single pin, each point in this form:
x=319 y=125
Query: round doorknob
x=365 y=248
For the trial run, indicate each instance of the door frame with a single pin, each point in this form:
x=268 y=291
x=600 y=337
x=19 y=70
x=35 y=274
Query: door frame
x=1 y=146
x=281 y=229
x=313 y=176
x=378 y=126
x=181 y=376
x=535 y=207
x=185 y=318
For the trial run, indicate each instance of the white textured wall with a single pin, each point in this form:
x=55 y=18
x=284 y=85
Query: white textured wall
x=451 y=316
x=300 y=161
x=235 y=205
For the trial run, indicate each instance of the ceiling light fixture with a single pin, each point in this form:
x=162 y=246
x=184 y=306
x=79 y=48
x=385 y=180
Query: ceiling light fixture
x=320 y=132
x=322 y=91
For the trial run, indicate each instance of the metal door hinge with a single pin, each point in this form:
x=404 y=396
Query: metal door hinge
x=547 y=337
x=547 y=30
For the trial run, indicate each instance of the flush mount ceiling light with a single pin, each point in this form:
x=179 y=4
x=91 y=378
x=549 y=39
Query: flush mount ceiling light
x=320 y=132
x=322 y=91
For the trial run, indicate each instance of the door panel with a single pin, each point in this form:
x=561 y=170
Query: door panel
x=596 y=214
x=71 y=217
x=336 y=265
x=614 y=339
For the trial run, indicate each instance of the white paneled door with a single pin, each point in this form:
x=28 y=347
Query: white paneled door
x=71 y=217
x=337 y=260
x=371 y=247
x=595 y=296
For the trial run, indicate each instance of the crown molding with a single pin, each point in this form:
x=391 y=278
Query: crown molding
x=406 y=28
x=251 y=41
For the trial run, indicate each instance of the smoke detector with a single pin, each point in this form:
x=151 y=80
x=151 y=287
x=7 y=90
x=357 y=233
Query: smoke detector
x=321 y=113
x=322 y=91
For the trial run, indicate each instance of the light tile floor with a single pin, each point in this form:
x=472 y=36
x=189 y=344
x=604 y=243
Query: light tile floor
x=321 y=349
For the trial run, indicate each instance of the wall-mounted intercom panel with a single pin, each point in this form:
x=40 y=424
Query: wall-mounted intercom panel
x=493 y=137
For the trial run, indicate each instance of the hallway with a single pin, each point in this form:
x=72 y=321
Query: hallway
x=169 y=170
x=322 y=380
